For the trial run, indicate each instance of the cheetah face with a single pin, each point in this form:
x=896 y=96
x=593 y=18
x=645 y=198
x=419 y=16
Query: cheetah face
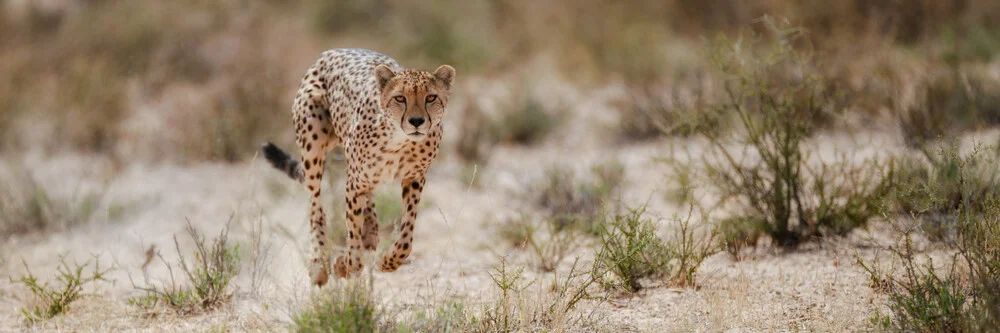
x=414 y=100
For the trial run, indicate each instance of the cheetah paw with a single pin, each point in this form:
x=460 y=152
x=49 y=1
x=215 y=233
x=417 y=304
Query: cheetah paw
x=390 y=264
x=341 y=269
x=319 y=273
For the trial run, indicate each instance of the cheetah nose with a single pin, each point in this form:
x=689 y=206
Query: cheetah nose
x=416 y=122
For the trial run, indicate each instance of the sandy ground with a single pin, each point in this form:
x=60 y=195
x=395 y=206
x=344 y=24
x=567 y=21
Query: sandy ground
x=815 y=289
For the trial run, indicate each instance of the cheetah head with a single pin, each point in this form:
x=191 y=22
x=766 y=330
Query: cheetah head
x=414 y=100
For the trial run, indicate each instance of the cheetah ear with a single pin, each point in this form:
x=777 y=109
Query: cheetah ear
x=382 y=75
x=446 y=74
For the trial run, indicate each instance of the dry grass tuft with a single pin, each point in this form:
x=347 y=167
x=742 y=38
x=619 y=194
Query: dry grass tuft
x=208 y=276
x=516 y=308
x=340 y=307
x=739 y=233
x=688 y=247
x=51 y=301
x=447 y=317
x=261 y=256
x=547 y=242
x=351 y=306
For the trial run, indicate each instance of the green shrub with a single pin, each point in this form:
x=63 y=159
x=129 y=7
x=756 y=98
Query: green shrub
x=952 y=198
x=550 y=247
x=931 y=304
x=630 y=250
x=964 y=298
x=51 y=301
x=569 y=291
x=767 y=174
x=933 y=188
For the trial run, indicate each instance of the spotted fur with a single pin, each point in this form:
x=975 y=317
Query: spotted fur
x=388 y=119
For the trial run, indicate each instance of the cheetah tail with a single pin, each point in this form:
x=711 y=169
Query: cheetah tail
x=282 y=161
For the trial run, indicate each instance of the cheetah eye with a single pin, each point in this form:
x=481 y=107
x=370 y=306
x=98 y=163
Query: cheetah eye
x=431 y=98
x=401 y=99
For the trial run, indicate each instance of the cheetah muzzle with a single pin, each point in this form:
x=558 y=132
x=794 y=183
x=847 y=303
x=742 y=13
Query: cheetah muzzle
x=388 y=120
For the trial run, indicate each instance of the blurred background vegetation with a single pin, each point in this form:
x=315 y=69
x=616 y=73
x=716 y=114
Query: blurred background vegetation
x=190 y=81
x=186 y=81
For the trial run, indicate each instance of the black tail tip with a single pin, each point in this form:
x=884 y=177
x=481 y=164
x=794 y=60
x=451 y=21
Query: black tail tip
x=282 y=161
x=274 y=154
x=268 y=147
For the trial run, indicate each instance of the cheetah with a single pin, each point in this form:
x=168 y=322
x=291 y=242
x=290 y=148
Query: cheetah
x=388 y=120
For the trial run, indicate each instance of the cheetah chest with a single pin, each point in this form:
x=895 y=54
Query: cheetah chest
x=389 y=168
x=393 y=163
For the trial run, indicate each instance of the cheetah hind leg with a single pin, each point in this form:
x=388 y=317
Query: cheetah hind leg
x=313 y=138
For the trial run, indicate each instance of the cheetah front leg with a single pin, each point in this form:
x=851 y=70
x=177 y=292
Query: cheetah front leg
x=412 y=188
x=370 y=230
x=357 y=201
